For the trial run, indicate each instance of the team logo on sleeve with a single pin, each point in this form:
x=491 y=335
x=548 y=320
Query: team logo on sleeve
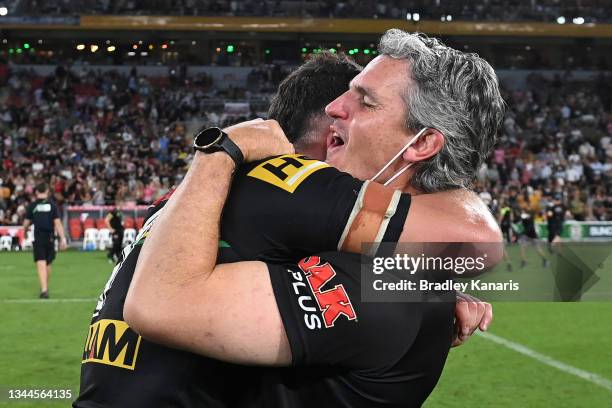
x=113 y=343
x=331 y=302
x=288 y=171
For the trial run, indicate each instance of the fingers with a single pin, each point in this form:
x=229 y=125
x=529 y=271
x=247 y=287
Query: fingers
x=488 y=317
x=470 y=314
x=259 y=139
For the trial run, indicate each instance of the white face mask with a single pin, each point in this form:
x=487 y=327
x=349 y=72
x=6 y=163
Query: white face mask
x=396 y=175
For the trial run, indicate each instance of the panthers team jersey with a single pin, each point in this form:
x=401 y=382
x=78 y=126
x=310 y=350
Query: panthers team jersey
x=278 y=210
x=351 y=353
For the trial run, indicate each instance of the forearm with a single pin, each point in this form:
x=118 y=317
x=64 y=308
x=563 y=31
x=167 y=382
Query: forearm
x=59 y=229
x=183 y=242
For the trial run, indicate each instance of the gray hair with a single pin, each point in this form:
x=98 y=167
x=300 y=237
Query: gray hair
x=454 y=92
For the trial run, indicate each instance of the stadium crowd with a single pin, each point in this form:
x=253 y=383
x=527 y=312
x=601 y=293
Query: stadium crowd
x=506 y=10
x=98 y=137
x=101 y=137
x=556 y=141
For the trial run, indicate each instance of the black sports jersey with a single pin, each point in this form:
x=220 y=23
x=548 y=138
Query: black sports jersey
x=279 y=210
x=348 y=353
x=528 y=224
x=42 y=213
x=555 y=213
x=116 y=221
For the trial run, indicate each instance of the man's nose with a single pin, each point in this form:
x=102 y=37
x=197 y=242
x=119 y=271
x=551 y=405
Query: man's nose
x=337 y=109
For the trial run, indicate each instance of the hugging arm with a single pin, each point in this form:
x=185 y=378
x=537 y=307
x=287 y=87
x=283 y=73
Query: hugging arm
x=180 y=298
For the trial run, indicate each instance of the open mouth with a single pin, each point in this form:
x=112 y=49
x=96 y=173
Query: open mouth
x=334 y=142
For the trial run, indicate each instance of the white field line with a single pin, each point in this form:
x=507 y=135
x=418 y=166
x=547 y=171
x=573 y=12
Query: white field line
x=549 y=361
x=52 y=300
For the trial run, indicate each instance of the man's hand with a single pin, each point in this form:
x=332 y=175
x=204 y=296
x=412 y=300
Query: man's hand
x=63 y=244
x=259 y=139
x=470 y=313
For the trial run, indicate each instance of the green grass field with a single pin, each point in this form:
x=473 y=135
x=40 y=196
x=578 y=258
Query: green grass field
x=41 y=341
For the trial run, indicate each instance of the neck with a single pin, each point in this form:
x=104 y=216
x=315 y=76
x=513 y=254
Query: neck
x=411 y=190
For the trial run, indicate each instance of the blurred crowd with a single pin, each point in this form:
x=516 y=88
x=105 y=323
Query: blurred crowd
x=556 y=143
x=99 y=137
x=102 y=137
x=505 y=10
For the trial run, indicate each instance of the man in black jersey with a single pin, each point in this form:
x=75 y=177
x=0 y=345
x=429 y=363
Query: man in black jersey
x=114 y=221
x=237 y=312
x=44 y=215
x=555 y=216
x=526 y=234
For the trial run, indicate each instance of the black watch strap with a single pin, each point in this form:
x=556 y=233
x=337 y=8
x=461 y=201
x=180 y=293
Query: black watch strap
x=214 y=139
x=229 y=147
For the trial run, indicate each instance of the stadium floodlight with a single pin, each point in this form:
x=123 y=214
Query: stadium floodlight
x=164 y=46
x=4 y=41
x=80 y=47
x=19 y=50
x=151 y=46
x=416 y=16
x=332 y=50
x=267 y=51
x=26 y=46
x=443 y=18
x=11 y=51
x=409 y=16
x=93 y=48
x=194 y=42
x=144 y=53
x=111 y=48
x=3 y=11
x=449 y=18
x=578 y=20
x=304 y=50
x=230 y=48
x=131 y=54
x=40 y=41
x=366 y=51
x=561 y=20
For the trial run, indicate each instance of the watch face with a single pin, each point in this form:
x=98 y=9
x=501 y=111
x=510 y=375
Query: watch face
x=207 y=138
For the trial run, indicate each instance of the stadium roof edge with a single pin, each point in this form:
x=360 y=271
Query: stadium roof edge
x=299 y=25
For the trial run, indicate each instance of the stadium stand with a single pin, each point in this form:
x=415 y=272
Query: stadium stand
x=97 y=138
x=506 y=10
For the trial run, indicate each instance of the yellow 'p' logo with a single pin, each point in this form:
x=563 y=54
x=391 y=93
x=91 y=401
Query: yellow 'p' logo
x=288 y=171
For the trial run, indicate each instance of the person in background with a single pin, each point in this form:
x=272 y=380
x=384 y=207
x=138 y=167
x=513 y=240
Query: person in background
x=44 y=215
x=114 y=221
x=555 y=216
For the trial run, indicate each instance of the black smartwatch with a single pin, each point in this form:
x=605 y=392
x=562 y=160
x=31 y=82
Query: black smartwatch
x=214 y=139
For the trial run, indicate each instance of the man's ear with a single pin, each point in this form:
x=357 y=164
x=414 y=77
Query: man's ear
x=426 y=146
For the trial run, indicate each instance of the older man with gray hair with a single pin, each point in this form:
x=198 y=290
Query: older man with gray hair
x=425 y=115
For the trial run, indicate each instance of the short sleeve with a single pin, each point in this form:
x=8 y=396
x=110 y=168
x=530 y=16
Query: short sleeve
x=30 y=212
x=287 y=207
x=325 y=322
x=54 y=211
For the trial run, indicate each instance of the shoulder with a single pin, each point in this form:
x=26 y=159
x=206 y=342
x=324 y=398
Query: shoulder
x=457 y=215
